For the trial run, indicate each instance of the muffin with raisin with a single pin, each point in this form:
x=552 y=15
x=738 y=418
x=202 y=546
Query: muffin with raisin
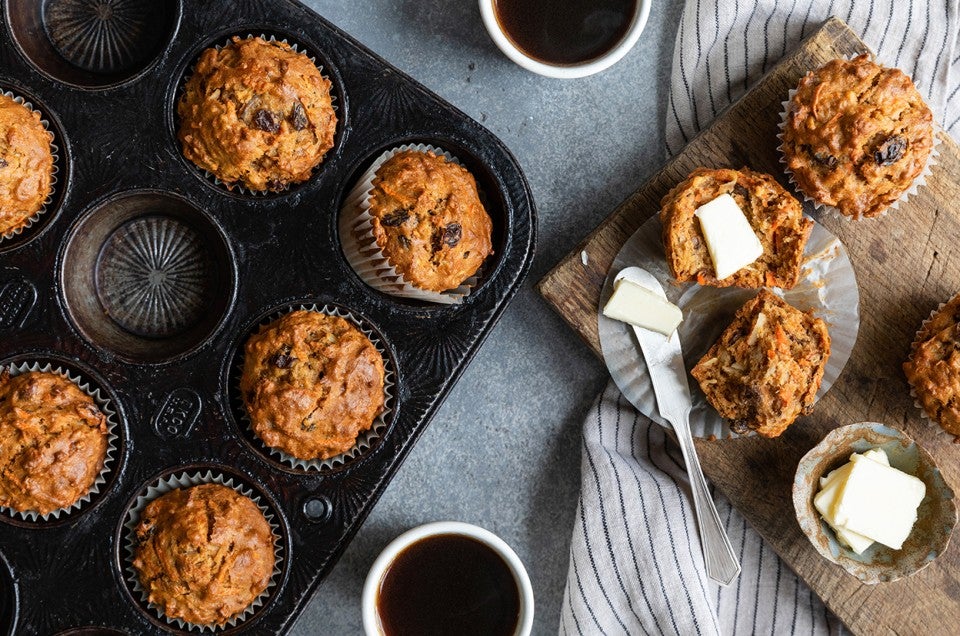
x=311 y=384
x=53 y=442
x=933 y=368
x=26 y=164
x=256 y=113
x=203 y=554
x=775 y=216
x=766 y=368
x=856 y=136
x=420 y=228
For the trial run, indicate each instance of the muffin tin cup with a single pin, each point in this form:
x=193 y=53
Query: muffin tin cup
x=238 y=188
x=366 y=439
x=913 y=390
x=55 y=151
x=360 y=245
x=918 y=182
x=104 y=404
x=187 y=479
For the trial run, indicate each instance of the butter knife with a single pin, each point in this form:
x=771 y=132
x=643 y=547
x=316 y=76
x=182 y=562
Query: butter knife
x=668 y=375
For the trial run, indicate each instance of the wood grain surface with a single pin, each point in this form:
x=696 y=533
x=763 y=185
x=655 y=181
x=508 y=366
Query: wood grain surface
x=906 y=263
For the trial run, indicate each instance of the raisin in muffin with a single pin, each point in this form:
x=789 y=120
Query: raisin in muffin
x=256 y=113
x=766 y=368
x=856 y=136
x=774 y=214
x=933 y=368
x=26 y=164
x=53 y=442
x=203 y=554
x=427 y=220
x=311 y=384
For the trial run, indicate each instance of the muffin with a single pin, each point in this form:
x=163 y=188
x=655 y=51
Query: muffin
x=256 y=113
x=426 y=221
x=311 y=384
x=766 y=368
x=774 y=214
x=856 y=136
x=933 y=369
x=53 y=442
x=203 y=554
x=26 y=165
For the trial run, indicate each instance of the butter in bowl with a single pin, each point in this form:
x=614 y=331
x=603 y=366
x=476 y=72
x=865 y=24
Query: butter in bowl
x=873 y=502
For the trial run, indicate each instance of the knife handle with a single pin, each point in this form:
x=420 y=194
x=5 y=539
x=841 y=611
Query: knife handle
x=721 y=563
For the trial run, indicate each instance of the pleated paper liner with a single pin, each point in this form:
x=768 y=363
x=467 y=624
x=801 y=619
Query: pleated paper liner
x=238 y=187
x=105 y=406
x=917 y=183
x=827 y=284
x=187 y=479
x=365 y=440
x=55 y=151
x=360 y=246
x=930 y=419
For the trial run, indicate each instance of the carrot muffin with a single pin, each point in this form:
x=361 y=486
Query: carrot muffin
x=766 y=368
x=53 y=442
x=26 y=164
x=933 y=368
x=311 y=384
x=428 y=220
x=256 y=113
x=774 y=214
x=203 y=554
x=856 y=136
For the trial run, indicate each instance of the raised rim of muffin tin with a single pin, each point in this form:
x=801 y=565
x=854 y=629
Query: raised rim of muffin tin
x=185 y=69
x=61 y=169
x=9 y=603
x=283 y=548
x=33 y=41
x=491 y=195
x=114 y=463
x=87 y=320
x=233 y=406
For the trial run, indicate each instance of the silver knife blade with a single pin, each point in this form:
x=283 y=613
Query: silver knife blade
x=662 y=354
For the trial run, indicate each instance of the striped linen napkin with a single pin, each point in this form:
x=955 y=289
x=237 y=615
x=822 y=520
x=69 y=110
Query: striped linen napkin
x=636 y=565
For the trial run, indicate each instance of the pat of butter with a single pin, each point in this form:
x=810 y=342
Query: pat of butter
x=641 y=307
x=866 y=500
x=731 y=241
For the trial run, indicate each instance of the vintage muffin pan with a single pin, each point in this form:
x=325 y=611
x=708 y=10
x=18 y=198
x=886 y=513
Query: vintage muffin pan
x=144 y=277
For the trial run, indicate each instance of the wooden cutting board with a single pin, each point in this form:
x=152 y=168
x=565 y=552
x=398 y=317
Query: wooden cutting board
x=906 y=264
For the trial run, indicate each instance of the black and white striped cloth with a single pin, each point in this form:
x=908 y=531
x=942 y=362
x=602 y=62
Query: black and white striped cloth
x=635 y=557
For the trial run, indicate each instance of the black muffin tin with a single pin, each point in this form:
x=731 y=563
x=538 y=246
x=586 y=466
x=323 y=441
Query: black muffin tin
x=131 y=218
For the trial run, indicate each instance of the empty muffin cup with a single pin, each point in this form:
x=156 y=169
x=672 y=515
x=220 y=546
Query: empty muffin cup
x=936 y=515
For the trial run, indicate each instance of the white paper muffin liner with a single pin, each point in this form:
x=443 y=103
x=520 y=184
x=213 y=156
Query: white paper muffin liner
x=238 y=187
x=55 y=151
x=184 y=480
x=918 y=182
x=105 y=406
x=360 y=246
x=913 y=390
x=827 y=285
x=365 y=439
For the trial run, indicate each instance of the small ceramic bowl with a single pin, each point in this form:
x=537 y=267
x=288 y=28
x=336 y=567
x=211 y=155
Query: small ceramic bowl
x=371 y=587
x=936 y=516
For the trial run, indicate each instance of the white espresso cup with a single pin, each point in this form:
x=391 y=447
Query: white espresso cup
x=371 y=588
x=565 y=71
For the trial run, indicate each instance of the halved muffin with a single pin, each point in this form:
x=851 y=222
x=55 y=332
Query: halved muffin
x=774 y=214
x=766 y=368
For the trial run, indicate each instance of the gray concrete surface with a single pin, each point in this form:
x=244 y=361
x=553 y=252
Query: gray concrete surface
x=503 y=452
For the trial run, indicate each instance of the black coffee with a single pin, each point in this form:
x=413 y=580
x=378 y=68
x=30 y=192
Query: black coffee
x=565 y=32
x=448 y=584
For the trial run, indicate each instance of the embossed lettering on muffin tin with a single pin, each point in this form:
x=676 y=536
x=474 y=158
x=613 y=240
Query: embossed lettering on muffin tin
x=104 y=403
x=366 y=440
x=185 y=479
x=336 y=97
x=12 y=237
